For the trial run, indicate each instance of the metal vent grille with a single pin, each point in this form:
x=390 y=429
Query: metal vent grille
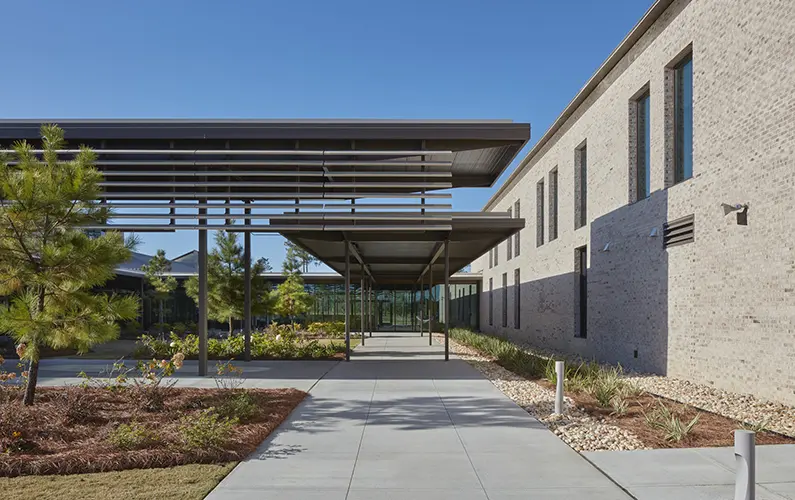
x=679 y=231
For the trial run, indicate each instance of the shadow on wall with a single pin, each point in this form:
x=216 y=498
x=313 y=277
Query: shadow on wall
x=627 y=295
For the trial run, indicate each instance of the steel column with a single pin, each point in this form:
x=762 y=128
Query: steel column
x=422 y=305
x=202 y=297
x=347 y=301
x=247 y=288
x=446 y=300
x=370 y=307
x=361 y=303
x=430 y=305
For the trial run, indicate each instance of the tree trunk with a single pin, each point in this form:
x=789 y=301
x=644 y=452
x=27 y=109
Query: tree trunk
x=161 y=316
x=33 y=377
x=231 y=326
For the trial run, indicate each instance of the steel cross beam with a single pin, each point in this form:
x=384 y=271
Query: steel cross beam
x=438 y=250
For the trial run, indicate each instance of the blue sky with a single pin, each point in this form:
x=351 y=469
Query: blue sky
x=498 y=59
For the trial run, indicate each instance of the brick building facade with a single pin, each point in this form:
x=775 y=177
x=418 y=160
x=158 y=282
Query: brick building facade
x=695 y=109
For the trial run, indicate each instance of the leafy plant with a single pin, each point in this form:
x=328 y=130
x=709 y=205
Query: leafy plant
x=50 y=266
x=619 y=405
x=149 y=391
x=671 y=424
x=240 y=405
x=75 y=405
x=606 y=386
x=131 y=436
x=292 y=299
x=206 y=429
x=757 y=427
x=228 y=376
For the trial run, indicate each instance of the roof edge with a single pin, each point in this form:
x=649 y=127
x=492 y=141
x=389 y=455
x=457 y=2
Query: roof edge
x=648 y=19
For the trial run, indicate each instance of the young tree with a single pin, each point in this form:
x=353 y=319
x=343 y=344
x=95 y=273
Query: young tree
x=226 y=282
x=162 y=284
x=292 y=299
x=49 y=267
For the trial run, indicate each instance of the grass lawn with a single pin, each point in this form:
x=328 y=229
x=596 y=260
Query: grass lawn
x=354 y=341
x=184 y=482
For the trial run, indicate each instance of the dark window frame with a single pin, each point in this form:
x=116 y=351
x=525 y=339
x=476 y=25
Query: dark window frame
x=540 y=213
x=581 y=185
x=553 y=204
x=683 y=118
x=491 y=301
x=581 y=284
x=509 y=241
x=504 y=300
x=517 y=299
x=517 y=237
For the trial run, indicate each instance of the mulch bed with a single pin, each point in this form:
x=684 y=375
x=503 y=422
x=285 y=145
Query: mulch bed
x=66 y=430
x=712 y=430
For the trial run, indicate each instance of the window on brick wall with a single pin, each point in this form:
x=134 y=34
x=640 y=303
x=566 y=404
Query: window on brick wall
x=496 y=254
x=540 y=213
x=553 y=204
x=491 y=301
x=491 y=258
x=581 y=284
x=517 y=299
x=516 y=237
x=504 y=300
x=581 y=186
x=509 y=241
x=643 y=147
x=683 y=119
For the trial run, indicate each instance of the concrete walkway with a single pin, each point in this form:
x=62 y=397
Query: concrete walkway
x=698 y=473
x=397 y=422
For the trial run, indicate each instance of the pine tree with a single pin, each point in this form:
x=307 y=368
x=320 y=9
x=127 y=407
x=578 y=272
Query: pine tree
x=297 y=259
x=292 y=299
x=156 y=274
x=226 y=281
x=49 y=267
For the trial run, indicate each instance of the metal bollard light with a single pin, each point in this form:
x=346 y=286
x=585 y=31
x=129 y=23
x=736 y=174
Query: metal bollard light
x=745 y=458
x=560 y=375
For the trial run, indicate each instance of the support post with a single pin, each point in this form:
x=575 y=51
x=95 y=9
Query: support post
x=347 y=301
x=247 y=289
x=202 y=295
x=430 y=305
x=422 y=305
x=361 y=304
x=370 y=307
x=745 y=458
x=446 y=300
x=560 y=373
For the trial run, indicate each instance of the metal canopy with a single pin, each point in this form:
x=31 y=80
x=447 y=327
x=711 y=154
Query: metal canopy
x=403 y=257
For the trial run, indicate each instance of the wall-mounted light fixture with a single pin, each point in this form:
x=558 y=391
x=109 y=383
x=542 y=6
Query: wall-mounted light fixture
x=606 y=247
x=653 y=233
x=740 y=208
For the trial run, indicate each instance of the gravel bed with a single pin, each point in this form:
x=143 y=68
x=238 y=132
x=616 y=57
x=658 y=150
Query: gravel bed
x=579 y=430
x=776 y=417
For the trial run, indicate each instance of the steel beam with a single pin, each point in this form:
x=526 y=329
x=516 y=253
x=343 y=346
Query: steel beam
x=249 y=152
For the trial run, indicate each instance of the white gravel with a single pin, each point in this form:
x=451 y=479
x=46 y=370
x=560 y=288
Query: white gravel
x=575 y=427
x=776 y=417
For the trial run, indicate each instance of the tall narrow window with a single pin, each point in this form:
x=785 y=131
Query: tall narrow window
x=644 y=147
x=509 y=241
x=581 y=271
x=683 y=119
x=504 y=300
x=516 y=238
x=496 y=254
x=580 y=187
x=517 y=299
x=540 y=213
x=491 y=258
x=553 y=205
x=640 y=147
x=491 y=301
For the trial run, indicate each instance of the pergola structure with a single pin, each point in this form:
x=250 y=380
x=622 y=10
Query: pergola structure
x=361 y=196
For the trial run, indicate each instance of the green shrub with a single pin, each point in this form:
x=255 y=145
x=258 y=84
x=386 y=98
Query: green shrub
x=179 y=328
x=238 y=405
x=131 y=436
x=206 y=429
x=670 y=423
x=606 y=386
x=619 y=405
x=330 y=329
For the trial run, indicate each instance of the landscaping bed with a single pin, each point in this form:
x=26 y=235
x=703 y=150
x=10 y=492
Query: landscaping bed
x=115 y=427
x=603 y=409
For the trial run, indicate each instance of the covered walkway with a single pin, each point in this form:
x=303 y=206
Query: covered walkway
x=394 y=424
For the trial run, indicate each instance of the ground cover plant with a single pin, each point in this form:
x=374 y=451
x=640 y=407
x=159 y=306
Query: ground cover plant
x=274 y=342
x=135 y=418
x=605 y=394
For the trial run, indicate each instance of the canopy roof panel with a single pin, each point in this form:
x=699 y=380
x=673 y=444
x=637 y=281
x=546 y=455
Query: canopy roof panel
x=403 y=257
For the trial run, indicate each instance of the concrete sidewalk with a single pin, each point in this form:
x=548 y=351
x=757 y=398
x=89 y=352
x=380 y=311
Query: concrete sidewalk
x=698 y=473
x=397 y=422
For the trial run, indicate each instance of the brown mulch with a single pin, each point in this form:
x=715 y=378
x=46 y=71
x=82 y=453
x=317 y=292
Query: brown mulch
x=65 y=431
x=712 y=430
